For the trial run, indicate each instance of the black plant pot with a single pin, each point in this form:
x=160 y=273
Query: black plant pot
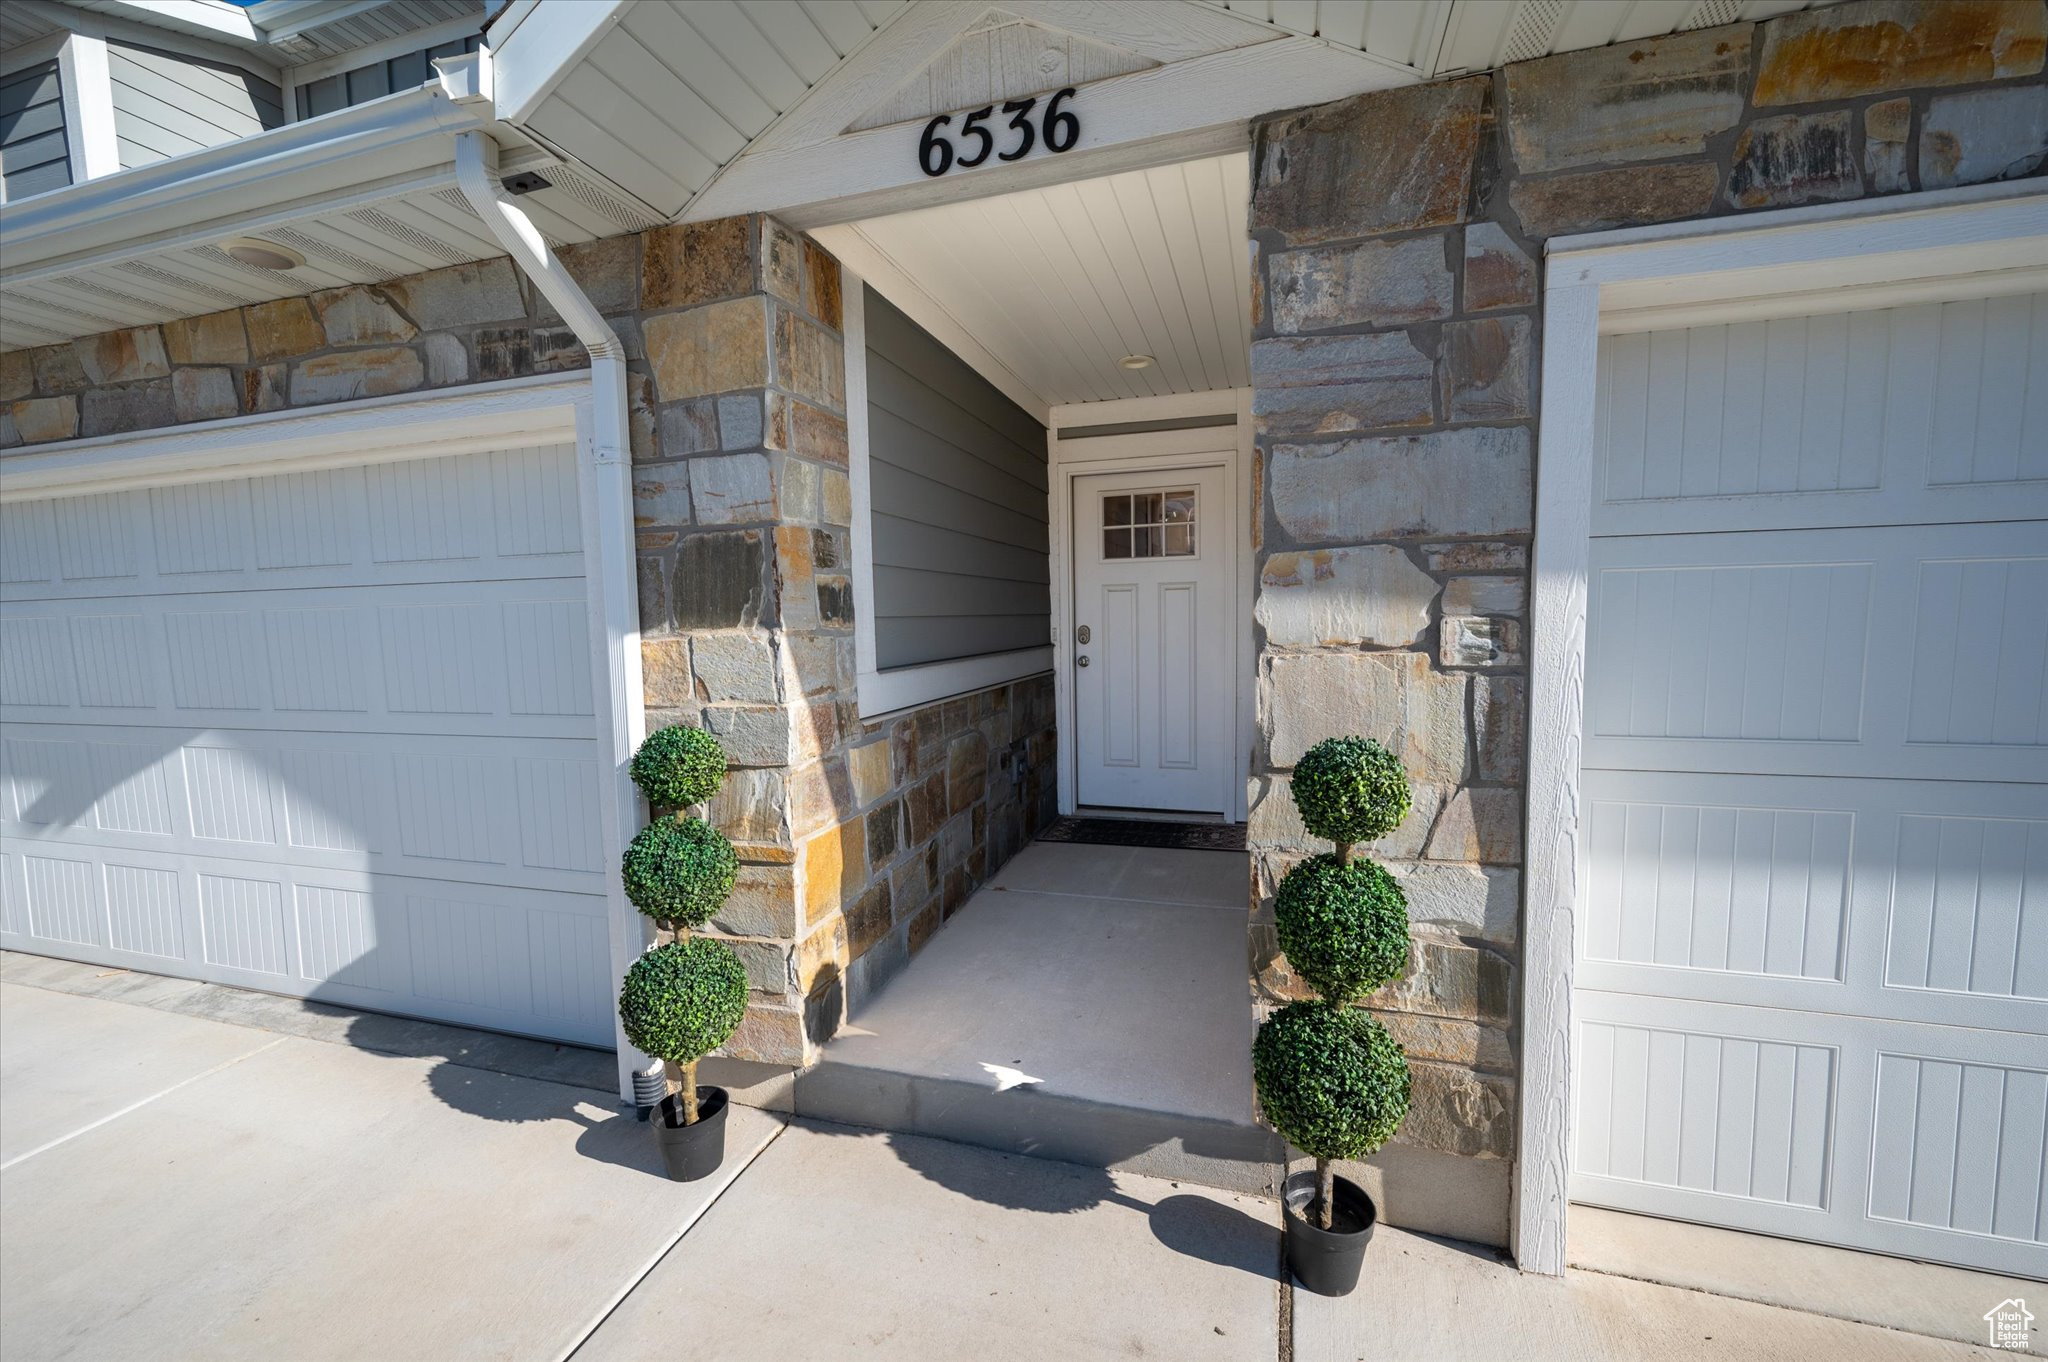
x=1326 y=1261
x=693 y=1151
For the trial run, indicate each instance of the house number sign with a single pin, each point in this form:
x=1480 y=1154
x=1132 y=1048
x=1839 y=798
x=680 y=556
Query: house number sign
x=944 y=147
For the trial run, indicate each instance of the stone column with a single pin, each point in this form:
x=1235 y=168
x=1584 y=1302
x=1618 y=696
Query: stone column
x=1393 y=369
x=743 y=509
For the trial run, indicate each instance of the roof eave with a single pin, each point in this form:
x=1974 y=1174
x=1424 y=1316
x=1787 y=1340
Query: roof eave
x=219 y=187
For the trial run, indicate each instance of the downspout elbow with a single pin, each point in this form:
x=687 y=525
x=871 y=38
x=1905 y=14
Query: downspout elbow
x=475 y=159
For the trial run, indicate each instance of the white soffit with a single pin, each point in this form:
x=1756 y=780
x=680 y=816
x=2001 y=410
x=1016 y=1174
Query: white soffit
x=668 y=91
x=1046 y=290
x=144 y=246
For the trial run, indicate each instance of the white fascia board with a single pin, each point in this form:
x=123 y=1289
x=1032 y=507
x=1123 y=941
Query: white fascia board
x=542 y=47
x=1199 y=107
x=201 y=18
x=298 y=163
x=150 y=31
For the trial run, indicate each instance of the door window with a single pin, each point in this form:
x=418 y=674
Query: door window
x=1149 y=524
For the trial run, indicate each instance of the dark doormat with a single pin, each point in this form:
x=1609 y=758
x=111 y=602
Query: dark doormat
x=1130 y=832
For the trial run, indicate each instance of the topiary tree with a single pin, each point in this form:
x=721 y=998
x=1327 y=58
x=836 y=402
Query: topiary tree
x=680 y=1000
x=1329 y=1077
x=678 y=766
x=679 y=871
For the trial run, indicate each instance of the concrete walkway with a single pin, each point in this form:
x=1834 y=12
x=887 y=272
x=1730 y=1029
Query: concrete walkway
x=175 y=1186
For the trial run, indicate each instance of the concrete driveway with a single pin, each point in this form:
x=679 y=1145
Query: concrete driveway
x=194 y=1172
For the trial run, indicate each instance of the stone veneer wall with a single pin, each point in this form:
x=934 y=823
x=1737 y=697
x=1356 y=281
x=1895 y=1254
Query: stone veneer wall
x=1395 y=374
x=857 y=840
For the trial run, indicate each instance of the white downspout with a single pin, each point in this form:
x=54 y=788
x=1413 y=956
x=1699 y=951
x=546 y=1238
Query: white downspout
x=609 y=553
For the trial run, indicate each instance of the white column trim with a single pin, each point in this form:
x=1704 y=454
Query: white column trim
x=88 y=89
x=1554 y=852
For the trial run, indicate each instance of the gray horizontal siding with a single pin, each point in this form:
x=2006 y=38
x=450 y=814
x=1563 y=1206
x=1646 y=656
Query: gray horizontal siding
x=166 y=105
x=34 y=156
x=957 y=491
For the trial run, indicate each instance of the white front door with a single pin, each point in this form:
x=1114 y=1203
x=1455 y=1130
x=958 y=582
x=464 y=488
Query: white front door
x=1151 y=645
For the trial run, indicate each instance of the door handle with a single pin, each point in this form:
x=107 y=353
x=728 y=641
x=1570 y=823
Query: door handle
x=1081 y=661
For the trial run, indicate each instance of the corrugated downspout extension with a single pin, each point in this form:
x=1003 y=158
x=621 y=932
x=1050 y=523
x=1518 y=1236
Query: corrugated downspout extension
x=476 y=157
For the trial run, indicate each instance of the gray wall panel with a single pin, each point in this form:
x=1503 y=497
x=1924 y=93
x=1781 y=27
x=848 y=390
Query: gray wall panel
x=34 y=157
x=166 y=104
x=956 y=483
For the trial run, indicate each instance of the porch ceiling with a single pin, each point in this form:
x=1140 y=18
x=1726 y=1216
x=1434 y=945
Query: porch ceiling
x=1056 y=285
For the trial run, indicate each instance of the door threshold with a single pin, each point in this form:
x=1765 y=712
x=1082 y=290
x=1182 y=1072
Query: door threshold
x=1931 y=1299
x=1145 y=815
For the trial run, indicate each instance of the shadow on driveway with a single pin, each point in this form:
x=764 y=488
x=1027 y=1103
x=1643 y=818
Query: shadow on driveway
x=1205 y=1227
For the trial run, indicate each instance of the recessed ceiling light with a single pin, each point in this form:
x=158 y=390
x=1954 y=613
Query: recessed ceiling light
x=1136 y=361
x=263 y=255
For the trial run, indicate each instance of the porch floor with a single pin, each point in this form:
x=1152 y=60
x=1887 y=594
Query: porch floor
x=1090 y=1003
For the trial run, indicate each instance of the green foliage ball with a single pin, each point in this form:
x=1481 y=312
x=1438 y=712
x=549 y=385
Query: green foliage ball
x=1344 y=928
x=678 y=766
x=679 y=870
x=1350 y=790
x=681 y=1000
x=1330 y=1079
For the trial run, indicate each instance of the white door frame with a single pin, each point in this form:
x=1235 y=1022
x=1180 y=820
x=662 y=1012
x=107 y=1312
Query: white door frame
x=467 y=420
x=1984 y=239
x=1073 y=458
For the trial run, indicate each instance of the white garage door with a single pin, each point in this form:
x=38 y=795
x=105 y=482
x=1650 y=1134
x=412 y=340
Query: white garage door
x=1813 y=959
x=326 y=733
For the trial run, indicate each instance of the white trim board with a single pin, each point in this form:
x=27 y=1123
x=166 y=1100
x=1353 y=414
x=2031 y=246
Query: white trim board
x=1188 y=109
x=1161 y=449
x=1591 y=282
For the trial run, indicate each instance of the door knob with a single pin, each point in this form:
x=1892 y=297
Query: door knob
x=1081 y=661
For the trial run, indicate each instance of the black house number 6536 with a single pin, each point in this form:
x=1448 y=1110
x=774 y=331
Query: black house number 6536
x=1058 y=128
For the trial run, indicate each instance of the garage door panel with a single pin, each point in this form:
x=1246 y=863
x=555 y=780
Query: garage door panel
x=1960 y=1146
x=1888 y=898
x=442 y=807
x=1970 y=907
x=502 y=956
x=1911 y=1138
x=1728 y=888
x=1897 y=651
x=513 y=513
x=1910 y=415
x=1981 y=651
x=329 y=734
x=507 y=657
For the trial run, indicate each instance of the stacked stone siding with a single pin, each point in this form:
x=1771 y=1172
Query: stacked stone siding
x=1395 y=368
x=465 y=324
